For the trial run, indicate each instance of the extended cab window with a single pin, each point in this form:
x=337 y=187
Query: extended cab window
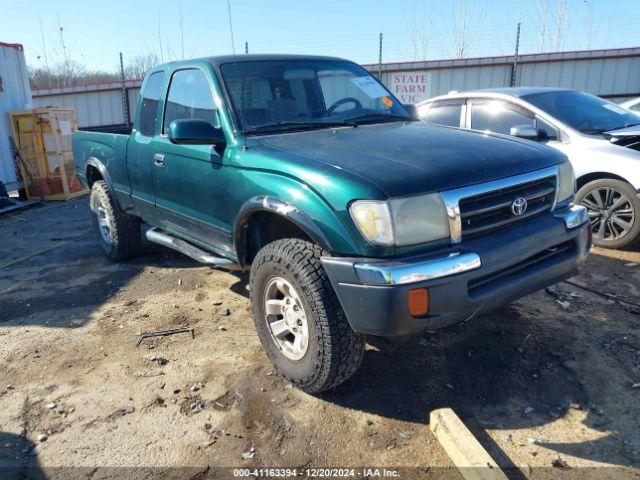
x=498 y=117
x=189 y=97
x=150 y=99
x=442 y=113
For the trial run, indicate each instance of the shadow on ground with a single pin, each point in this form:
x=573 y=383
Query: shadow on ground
x=18 y=459
x=52 y=289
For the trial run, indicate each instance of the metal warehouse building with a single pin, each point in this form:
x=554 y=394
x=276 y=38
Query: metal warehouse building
x=613 y=74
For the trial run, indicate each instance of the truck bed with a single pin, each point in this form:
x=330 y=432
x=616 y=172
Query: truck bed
x=110 y=149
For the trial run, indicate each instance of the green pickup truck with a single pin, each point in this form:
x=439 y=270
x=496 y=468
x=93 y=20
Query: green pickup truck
x=353 y=217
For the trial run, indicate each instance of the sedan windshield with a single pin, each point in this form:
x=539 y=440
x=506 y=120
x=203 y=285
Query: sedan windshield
x=586 y=113
x=275 y=95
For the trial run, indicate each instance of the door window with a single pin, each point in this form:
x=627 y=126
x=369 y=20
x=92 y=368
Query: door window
x=190 y=97
x=498 y=117
x=150 y=99
x=442 y=113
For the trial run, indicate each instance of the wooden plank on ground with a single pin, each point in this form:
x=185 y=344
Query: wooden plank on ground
x=473 y=461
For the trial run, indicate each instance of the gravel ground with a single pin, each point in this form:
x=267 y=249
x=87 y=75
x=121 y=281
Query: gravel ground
x=545 y=382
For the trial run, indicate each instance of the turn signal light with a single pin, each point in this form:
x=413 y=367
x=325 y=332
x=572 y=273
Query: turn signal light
x=418 y=302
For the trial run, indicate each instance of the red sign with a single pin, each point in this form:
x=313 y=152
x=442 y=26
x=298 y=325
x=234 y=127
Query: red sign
x=411 y=87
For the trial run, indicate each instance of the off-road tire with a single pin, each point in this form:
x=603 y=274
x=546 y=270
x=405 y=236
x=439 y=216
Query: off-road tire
x=334 y=351
x=125 y=229
x=633 y=235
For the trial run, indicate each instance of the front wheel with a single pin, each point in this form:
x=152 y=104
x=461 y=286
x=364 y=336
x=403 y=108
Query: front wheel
x=298 y=317
x=613 y=207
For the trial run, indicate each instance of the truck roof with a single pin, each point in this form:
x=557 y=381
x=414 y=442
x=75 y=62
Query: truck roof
x=251 y=57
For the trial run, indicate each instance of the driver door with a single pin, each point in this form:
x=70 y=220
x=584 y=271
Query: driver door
x=190 y=180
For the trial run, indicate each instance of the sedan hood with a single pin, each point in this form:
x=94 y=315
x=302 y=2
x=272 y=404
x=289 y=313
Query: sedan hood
x=624 y=132
x=409 y=158
x=625 y=137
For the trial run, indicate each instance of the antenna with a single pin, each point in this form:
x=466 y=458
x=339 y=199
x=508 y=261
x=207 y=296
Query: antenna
x=181 y=32
x=233 y=43
x=235 y=65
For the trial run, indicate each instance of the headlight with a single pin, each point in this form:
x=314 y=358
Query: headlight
x=566 y=182
x=402 y=221
x=373 y=219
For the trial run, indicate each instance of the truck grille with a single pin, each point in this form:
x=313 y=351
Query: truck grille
x=487 y=212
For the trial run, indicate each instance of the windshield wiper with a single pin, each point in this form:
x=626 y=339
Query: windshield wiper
x=285 y=124
x=374 y=116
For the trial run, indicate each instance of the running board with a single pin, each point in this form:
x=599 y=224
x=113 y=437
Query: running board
x=191 y=251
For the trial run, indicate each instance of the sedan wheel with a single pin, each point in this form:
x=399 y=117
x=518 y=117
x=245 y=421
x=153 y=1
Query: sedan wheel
x=613 y=208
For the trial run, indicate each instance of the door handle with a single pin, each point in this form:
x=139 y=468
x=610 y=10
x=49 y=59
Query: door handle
x=158 y=160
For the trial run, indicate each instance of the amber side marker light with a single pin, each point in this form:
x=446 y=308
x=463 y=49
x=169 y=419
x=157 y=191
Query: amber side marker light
x=418 y=302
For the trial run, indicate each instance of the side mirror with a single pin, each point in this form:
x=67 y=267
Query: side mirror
x=525 y=131
x=195 y=132
x=412 y=110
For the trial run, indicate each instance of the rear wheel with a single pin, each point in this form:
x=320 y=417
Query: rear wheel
x=118 y=232
x=298 y=317
x=613 y=207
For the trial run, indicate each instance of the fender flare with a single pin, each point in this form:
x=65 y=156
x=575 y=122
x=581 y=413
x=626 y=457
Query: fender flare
x=281 y=208
x=94 y=162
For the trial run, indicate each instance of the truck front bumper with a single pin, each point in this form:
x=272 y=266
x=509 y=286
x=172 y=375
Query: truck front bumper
x=462 y=280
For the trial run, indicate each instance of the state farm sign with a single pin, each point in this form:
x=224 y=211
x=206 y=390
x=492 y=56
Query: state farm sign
x=411 y=87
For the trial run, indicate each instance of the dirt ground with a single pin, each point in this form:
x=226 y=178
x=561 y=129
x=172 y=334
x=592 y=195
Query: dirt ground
x=545 y=382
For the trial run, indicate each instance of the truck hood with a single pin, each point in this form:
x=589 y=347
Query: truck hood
x=409 y=158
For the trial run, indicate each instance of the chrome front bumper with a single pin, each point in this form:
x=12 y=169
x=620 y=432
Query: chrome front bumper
x=403 y=273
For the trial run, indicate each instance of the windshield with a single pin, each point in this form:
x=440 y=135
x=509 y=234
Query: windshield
x=586 y=113
x=289 y=94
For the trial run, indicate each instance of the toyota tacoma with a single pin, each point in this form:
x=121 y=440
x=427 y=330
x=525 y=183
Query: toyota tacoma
x=352 y=217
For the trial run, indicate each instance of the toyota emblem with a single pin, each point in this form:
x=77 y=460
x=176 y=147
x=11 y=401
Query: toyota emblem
x=519 y=206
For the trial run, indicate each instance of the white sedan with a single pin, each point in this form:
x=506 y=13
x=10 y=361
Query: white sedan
x=601 y=139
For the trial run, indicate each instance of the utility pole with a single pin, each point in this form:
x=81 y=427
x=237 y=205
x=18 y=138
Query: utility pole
x=246 y=47
x=514 y=69
x=380 y=57
x=125 y=100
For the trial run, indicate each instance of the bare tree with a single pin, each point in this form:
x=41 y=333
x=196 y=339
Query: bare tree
x=467 y=24
x=60 y=75
x=138 y=66
x=590 y=22
x=541 y=22
x=550 y=21
x=420 y=32
x=561 y=20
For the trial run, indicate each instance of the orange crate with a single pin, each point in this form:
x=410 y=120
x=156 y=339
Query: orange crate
x=43 y=136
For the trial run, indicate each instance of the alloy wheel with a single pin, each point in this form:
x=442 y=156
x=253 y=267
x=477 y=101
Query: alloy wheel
x=104 y=223
x=286 y=318
x=611 y=213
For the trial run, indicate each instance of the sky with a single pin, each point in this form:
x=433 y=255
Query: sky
x=95 y=32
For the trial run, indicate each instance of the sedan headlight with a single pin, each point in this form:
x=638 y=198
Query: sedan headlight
x=566 y=183
x=401 y=221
